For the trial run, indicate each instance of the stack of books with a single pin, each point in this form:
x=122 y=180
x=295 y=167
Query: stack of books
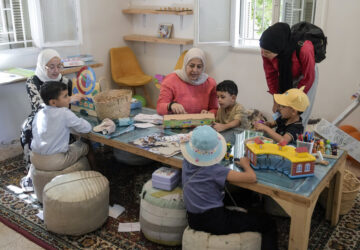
x=77 y=60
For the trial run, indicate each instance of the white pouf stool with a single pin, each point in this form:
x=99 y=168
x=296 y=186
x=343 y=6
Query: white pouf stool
x=240 y=241
x=76 y=203
x=162 y=215
x=41 y=177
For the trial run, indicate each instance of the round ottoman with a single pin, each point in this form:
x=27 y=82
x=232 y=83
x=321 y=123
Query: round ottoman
x=240 y=241
x=40 y=177
x=162 y=215
x=130 y=159
x=76 y=203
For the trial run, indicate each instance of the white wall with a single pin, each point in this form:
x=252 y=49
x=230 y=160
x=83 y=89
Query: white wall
x=104 y=26
x=338 y=73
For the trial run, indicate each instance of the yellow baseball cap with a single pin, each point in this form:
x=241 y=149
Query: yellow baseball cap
x=295 y=98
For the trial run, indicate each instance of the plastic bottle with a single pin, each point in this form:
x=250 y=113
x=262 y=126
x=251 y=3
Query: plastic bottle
x=328 y=148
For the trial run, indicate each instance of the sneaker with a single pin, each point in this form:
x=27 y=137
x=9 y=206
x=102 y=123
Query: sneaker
x=26 y=184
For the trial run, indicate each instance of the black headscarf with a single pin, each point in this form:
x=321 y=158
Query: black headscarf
x=277 y=39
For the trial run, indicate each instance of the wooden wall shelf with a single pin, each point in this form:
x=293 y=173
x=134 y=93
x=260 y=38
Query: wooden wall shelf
x=154 y=39
x=157 y=12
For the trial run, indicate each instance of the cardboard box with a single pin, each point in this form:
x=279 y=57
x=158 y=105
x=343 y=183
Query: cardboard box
x=165 y=178
x=188 y=120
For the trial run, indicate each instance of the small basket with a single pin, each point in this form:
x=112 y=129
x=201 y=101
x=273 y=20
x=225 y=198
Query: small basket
x=113 y=104
x=351 y=187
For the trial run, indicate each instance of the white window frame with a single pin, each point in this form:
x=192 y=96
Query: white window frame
x=321 y=9
x=5 y=31
x=37 y=26
x=299 y=168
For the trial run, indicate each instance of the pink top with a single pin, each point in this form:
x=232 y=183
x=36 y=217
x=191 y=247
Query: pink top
x=304 y=65
x=193 y=98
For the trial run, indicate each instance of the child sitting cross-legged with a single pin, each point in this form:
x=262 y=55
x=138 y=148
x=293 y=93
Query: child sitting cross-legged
x=289 y=125
x=51 y=130
x=203 y=181
x=229 y=114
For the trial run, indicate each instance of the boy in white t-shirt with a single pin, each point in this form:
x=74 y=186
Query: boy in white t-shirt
x=51 y=129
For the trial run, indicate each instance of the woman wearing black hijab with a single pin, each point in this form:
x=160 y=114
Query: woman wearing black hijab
x=284 y=69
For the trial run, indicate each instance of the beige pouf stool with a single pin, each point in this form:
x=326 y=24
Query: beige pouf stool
x=162 y=215
x=41 y=177
x=240 y=241
x=76 y=203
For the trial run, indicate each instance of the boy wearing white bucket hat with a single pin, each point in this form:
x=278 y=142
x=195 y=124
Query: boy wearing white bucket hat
x=203 y=181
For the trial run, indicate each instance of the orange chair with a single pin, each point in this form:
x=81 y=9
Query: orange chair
x=125 y=70
x=180 y=61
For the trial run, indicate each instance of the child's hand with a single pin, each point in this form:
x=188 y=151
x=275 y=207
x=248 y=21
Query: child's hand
x=77 y=98
x=218 y=126
x=260 y=126
x=243 y=162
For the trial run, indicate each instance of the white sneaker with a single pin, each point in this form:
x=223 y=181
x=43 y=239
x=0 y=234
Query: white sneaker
x=26 y=184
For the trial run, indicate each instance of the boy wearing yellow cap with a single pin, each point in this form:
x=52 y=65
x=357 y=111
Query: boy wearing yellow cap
x=291 y=105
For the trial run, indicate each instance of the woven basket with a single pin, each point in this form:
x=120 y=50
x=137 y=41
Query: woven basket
x=351 y=187
x=113 y=104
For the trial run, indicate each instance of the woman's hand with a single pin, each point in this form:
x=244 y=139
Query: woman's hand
x=177 y=108
x=77 y=98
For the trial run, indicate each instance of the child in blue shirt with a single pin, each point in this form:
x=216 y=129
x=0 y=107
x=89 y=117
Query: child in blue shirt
x=203 y=180
x=51 y=129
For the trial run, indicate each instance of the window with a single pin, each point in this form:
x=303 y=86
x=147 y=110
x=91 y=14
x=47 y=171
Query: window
x=247 y=19
x=15 y=29
x=257 y=15
x=307 y=167
x=299 y=168
x=39 y=23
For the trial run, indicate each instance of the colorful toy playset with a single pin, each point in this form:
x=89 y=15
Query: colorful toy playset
x=293 y=162
x=188 y=120
x=85 y=83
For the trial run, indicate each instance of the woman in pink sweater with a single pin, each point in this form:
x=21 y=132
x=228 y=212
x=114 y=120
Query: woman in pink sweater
x=188 y=90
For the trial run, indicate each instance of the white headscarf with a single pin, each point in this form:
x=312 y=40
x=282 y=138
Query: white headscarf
x=191 y=54
x=44 y=57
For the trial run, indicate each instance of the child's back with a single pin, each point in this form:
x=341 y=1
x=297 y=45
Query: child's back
x=203 y=181
x=51 y=129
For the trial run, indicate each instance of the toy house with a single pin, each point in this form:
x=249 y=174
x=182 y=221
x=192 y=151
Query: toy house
x=294 y=162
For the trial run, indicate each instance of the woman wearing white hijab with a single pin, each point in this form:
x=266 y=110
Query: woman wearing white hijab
x=188 y=90
x=48 y=68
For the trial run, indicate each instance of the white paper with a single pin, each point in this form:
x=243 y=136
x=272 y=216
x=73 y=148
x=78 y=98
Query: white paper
x=40 y=214
x=8 y=77
x=129 y=227
x=144 y=125
x=15 y=189
x=344 y=141
x=116 y=210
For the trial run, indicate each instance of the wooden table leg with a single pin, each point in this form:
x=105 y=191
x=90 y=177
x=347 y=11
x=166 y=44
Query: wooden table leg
x=334 y=198
x=300 y=223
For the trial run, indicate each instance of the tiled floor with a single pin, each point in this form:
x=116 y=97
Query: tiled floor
x=11 y=240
